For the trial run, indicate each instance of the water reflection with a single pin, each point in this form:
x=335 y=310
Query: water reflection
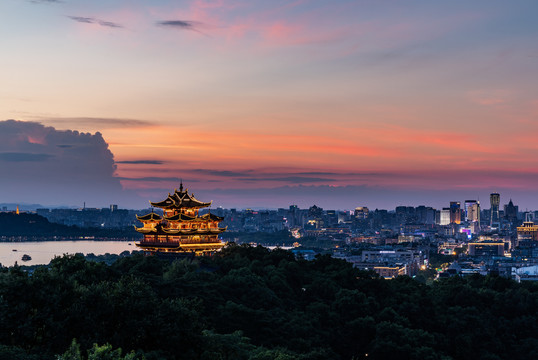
x=44 y=251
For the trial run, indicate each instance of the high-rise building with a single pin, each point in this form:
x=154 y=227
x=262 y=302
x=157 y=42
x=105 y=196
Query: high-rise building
x=455 y=212
x=527 y=231
x=361 y=212
x=510 y=211
x=472 y=211
x=425 y=215
x=405 y=214
x=444 y=218
x=495 y=200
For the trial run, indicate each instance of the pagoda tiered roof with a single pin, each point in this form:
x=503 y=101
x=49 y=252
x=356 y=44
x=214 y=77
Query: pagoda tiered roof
x=159 y=230
x=180 y=199
x=181 y=217
x=150 y=216
x=211 y=217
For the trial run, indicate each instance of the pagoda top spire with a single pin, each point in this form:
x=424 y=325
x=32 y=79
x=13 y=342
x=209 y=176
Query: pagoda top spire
x=180 y=199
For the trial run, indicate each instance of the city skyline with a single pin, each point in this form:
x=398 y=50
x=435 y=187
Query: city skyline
x=476 y=207
x=257 y=104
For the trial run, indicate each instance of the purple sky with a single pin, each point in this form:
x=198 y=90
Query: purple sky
x=269 y=103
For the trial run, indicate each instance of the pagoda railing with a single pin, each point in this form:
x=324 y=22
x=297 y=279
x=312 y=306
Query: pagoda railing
x=159 y=243
x=175 y=243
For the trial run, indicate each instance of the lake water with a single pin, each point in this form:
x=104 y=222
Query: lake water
x=43 y=252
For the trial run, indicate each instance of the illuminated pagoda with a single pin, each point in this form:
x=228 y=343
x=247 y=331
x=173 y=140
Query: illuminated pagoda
x=180 y=230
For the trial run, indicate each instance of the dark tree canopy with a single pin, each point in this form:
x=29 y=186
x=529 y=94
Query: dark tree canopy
x=252 y=303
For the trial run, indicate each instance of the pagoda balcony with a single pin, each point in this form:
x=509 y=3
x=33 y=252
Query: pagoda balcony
x=160 y=244
x=175 y=244
x=183 y=247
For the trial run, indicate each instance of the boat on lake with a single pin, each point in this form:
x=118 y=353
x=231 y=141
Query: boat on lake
x=26 y=257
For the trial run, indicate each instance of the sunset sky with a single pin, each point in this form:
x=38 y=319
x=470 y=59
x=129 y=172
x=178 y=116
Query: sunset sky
x=260 y=103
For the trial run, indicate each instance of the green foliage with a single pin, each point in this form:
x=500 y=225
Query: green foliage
x=96 y=352
x=437 y=260
x=255 y=304
x=106 y=352
x=232 y=346
x=73 y=353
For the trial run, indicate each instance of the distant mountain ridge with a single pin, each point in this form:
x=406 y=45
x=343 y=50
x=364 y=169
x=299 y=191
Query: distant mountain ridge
x=33 y=225
x=25 y=207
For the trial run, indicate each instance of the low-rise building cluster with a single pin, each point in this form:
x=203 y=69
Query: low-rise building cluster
x=454 y=241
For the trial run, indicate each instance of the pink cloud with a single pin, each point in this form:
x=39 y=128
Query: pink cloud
x=280 y=31
x=262 y=28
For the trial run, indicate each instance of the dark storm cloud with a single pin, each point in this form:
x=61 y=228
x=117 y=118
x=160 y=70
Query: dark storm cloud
x=141 y=162
x=102 y=123
x=91 y=20
x=24 y=157
x=42 y=164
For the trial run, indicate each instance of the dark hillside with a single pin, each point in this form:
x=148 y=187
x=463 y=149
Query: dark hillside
x=38 y=227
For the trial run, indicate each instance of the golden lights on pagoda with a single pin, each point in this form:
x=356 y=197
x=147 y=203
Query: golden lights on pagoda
x=180 y=229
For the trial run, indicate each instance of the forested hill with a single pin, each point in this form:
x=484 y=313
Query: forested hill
x=33 y=225
x=252 y=303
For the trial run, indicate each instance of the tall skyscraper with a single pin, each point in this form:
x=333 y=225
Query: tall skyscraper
x=444 y=218
x=455 y=212
x=495 y=201
x=510 y=211
x=472 y=210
